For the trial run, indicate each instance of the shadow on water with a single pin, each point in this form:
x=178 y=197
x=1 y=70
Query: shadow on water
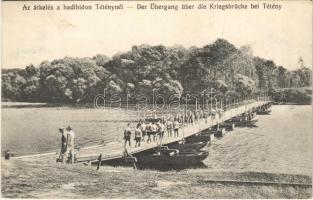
x=161 y=168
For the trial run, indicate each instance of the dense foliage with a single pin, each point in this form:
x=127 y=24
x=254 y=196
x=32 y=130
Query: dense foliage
x=232 y=72
x=293 y=95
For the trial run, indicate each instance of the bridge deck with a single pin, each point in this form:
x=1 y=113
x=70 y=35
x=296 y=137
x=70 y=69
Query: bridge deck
x=111 y=151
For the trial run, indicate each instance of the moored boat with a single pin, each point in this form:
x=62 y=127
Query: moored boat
x=160 y=157
x=240 y=122
x=193 y=146
x=177 y=159
x=198 y=138
x=246 y=123
x=263 y=112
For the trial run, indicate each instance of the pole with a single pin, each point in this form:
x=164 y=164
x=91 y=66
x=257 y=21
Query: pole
x=127 y=102
x=198 y=120
x=138 y=116
x=203 y=99
x=101 y=135
x=221 y=103
x=231 y=112
x=211 y=99
x=196 y=105
x=237 y=104
x=186 y=101
x=153 y=99
x=99 y=161
x=207 y=102
x=226 y=104
x=221 y=111
x=215 y=103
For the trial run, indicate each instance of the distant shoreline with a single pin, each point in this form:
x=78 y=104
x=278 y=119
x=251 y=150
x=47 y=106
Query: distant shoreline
x=89 y=105
x=291 y=103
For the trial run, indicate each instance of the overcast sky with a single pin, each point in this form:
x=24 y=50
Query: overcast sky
x=31 y=37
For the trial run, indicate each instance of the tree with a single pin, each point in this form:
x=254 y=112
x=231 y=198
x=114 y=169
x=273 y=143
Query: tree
x=230 y=71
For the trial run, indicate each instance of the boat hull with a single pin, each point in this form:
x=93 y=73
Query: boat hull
x=155 y=160
x=198 y=138
x=194 y=146
x=266 y=112
x=245 y=123
x=187 y=159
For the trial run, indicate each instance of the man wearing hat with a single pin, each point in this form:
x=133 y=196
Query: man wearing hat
x=63 y=145
x=70 y=143
x=127 y=134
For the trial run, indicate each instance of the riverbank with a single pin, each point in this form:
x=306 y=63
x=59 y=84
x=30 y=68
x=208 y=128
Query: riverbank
x=52 y=180
x=295 y=96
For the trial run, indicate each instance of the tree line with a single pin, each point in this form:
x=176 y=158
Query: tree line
x=230 y=71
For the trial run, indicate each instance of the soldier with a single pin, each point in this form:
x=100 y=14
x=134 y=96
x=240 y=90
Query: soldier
x=70 y=144
x=161 y=129
x=143 y=130
x=154 y=131
x=63 y=145
x=138 y=135
x=169 y=127
x=127 y=135
x=176 y=127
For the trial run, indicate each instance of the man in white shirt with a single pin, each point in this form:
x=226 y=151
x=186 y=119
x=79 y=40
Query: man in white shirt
x=161 y=129
x=143 y=130
x=154 y=130
x=169 y=126
x=70 y=143
x=176 y=127
x=127 y=135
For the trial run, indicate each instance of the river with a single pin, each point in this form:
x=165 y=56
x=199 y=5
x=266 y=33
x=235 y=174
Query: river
x=281 y=142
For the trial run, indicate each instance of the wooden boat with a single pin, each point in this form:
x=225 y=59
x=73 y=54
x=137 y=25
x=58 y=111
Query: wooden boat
x=161 y=156
x=188 y=146
x=220 y=133
x=229 y=126
x=202 y=137
x=263 y=112
x=239 y=122
x=171 y=161
x=120 y=160
x=246 y=123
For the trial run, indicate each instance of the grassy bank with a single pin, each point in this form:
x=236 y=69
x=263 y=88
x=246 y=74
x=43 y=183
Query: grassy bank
x=22 y=179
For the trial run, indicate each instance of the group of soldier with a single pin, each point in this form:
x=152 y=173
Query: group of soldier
x=154 y=130
x=145 y=131
x=150 y=131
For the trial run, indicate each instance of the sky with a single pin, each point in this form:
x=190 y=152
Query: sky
x=35 y=36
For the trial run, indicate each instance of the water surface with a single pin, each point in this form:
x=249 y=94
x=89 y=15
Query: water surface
x=282 y=143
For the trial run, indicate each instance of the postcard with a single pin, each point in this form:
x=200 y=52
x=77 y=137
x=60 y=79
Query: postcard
x=156 y=99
